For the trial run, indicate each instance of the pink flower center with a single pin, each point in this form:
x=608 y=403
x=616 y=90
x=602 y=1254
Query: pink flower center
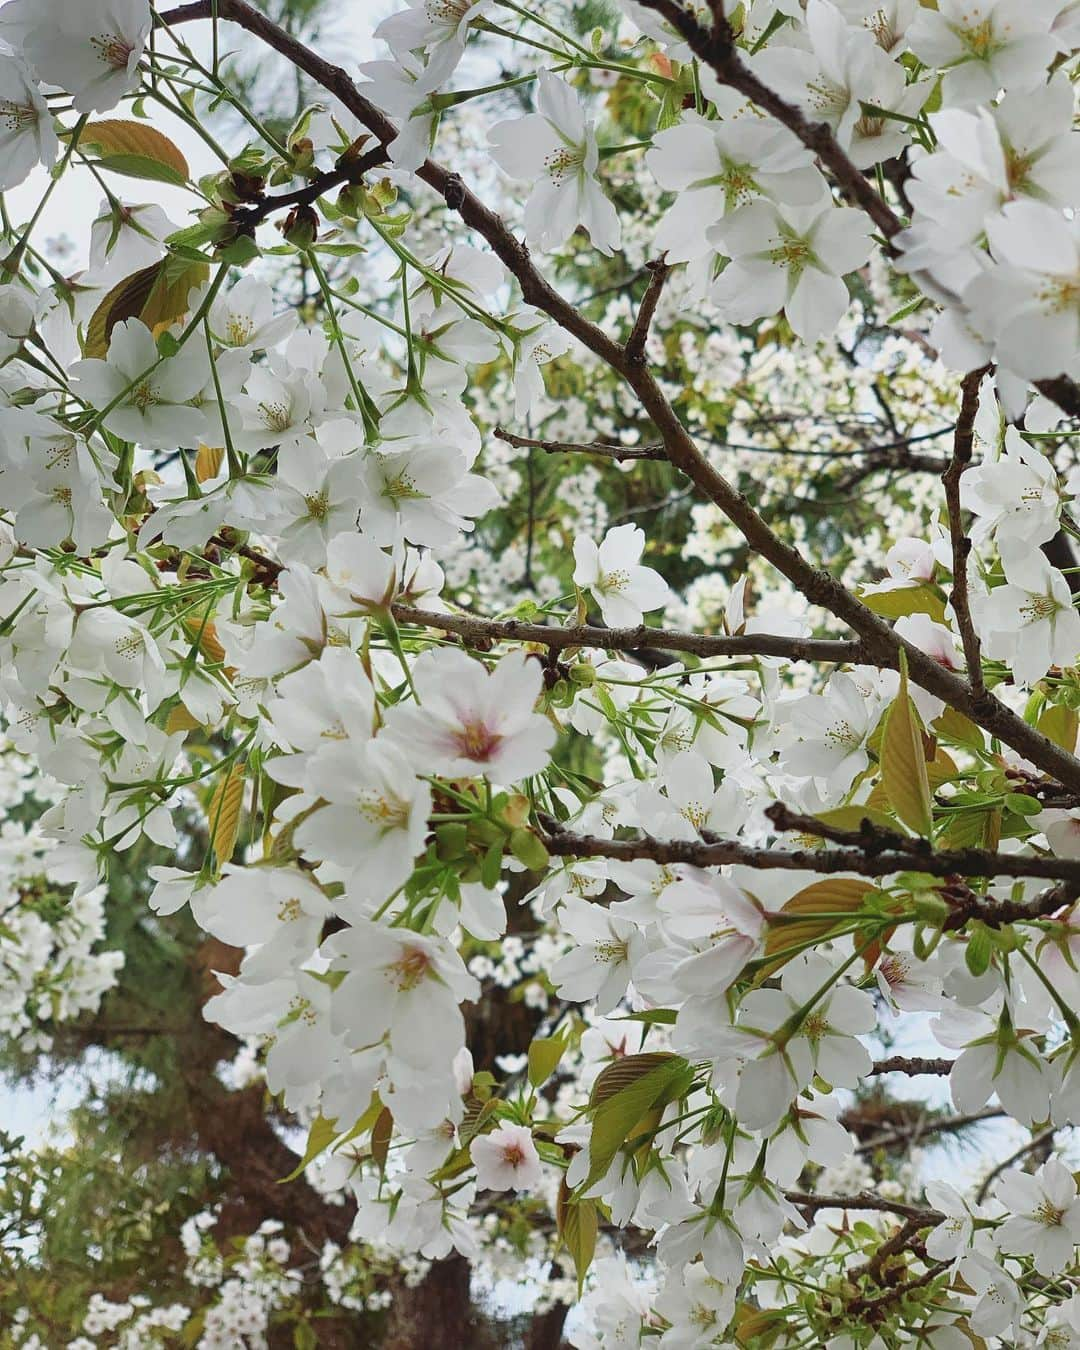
x=513 y=1154
x=112 y=49
x=477 y=741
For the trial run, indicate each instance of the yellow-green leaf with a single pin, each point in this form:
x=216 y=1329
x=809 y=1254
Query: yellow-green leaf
x=1059 y=724
x=322 y=1134
x=124 y=301
x=223 y=813
x=576 y=1221
x=170 y=294
x=623 y=1094
x=941 y=769
x=179 y=719
x=968 y=829
x=903 y=761
x=544 y=1056
x=897 y=604
x=847 y=818
x=135 y=149
x=960 y=730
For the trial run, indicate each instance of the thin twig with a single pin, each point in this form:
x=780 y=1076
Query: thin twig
x=923 y=1128
x=630 y=639
x=616 y=452
x=1035 y=1142
x=893 y=1246
x=865 y=1200
x=963 y=443
x=248 y=216
x=872 y=1310
x=635 y=343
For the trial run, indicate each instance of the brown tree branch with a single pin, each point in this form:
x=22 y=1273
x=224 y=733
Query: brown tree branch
x=963 y=443
x=711 y=851
x=640 y=638
x=616 y=452
x=865 y=1200
x=717 y=49
x=913 y=1065
x=635 y=344
x=882 y=644
x=874 y=839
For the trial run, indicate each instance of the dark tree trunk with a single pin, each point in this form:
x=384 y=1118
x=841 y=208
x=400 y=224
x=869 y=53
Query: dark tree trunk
x=438 y=1314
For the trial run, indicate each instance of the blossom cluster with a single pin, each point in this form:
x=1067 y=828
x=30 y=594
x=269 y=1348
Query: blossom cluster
x=231 y=585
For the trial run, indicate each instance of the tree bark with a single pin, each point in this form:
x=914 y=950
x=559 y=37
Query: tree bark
x=439 y=1313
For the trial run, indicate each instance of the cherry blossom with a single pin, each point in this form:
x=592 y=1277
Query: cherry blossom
x=92 y=49
x=623 y=588
x=1044 y=1216
x=27 y=135
x=555 y=149
x=506 y=1159
x=793 y=260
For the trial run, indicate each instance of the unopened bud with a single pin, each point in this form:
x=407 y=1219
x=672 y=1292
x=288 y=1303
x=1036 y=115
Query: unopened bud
x=301 y=227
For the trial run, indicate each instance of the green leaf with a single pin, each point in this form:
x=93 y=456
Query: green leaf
x=625 y=1092
x=661 y=1017
x=1059 y=724
x=321 y=1135
x=193 y=236
x=491 y=866
x=897 y=604
x=304 y=1337
x=577 y=1224
x=1022 y=804
x=978 y=949
x=240 y=251
x=136 y=150
x=544 y=1056
x=906 y=310
x=903 y=761
x=528 y=850
x=477 y=1114
x=967 y=829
